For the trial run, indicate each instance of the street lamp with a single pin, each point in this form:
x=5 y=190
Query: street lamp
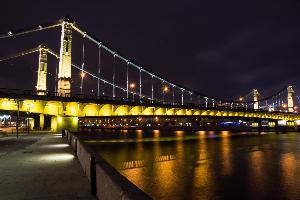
x=132 y=87
x=165 y=90
x=30 y=105
x=241 y=99
x=82 y=75
x=18 y=116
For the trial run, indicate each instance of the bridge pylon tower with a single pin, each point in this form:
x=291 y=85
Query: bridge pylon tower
x=290 y=101
x=65 y=61
x=255 y=99
x=41 y=85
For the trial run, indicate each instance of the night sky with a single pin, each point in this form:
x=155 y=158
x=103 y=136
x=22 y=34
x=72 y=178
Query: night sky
x=221 y=48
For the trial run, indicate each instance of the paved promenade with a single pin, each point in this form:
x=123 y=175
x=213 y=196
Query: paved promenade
x=40 y=167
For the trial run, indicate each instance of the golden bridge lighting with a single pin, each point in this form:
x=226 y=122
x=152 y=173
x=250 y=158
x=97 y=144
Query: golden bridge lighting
x=241 y=99
x=82 y=74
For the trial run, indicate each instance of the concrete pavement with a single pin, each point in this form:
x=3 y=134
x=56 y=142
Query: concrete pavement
x=40 y=167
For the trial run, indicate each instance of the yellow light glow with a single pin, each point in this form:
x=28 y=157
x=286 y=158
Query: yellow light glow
x=166 y=89
x=59 y=119
x=6 y=104
x=132 y=85
x=225 y=133
x=201 y=132
x=75 y=120
x=156 y=133
x=179 y=133
x=82 y=74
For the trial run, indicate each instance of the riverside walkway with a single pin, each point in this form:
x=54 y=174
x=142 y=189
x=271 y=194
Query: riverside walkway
x=40 y=167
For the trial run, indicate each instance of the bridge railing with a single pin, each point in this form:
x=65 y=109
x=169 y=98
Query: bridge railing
x=106 y=182
x=121 y=100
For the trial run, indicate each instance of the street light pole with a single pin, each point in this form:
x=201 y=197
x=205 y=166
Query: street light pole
x=28 y=123
x=165 y=90
x=132 y=86
x=17 y=123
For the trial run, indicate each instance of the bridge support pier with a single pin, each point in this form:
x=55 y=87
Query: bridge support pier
x=42 y=121
x=31 y=123
x=59 y=123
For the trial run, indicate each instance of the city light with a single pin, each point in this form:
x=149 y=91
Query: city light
x=82 y=74
x=132 y=85
x=5 y=117
x=165 y=89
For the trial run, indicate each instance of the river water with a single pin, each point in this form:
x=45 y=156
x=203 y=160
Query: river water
x=205 y=165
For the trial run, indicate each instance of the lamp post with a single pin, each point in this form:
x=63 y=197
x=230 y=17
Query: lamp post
x=132 y=87
x=82 y=75
x=18 y=114
x=27 y=122
x=165 y=90
x=241 y=99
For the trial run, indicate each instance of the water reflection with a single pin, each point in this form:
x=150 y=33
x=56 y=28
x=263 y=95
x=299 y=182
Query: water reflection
x=257 y=171
x=205 y=165
x=289 y=171
x=226 y=154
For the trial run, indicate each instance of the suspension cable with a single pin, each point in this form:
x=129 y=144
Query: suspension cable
x=90 y=37
x=141 y=69
x=41 y=27
x=19 y=54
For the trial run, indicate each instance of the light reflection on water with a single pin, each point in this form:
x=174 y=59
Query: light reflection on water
x=205 y=165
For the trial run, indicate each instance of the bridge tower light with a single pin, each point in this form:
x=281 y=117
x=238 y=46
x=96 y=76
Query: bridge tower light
x=64 y=72
x=255 y=99
x=41 y=86
x=290 y=101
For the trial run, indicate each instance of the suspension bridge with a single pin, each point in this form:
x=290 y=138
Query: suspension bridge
x=114 y=85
